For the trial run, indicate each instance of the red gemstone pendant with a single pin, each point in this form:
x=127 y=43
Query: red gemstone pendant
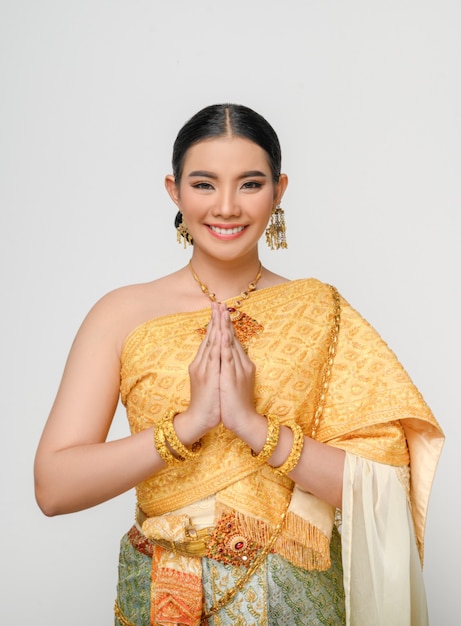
x=245 y=327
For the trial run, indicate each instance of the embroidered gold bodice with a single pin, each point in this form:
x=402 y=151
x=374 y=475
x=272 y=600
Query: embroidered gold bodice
x=368 y=398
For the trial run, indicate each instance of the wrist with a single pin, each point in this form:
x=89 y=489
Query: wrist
x=254 y=431
x=187 y=428
x=288 y=452
x=169 y=446
x=282 y=450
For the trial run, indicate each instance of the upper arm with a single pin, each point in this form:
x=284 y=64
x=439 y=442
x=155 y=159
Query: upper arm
x=88 y=394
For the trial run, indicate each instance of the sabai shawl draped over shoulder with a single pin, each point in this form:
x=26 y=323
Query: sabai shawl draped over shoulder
x=372 y=411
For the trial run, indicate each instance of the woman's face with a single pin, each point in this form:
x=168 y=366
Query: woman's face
x=226 y=195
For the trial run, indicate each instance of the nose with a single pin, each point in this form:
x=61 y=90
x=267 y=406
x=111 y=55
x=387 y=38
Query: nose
x=226 y=204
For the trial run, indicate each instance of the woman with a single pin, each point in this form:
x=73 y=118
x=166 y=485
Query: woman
x=257 y=431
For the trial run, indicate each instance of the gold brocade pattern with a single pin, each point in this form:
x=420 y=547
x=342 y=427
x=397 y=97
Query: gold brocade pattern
x=369 y=393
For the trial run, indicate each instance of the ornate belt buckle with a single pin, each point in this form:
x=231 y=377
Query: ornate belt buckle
x=229 y=545
x=191 y=533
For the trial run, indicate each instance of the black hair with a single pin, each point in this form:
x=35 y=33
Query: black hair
x=220 y=120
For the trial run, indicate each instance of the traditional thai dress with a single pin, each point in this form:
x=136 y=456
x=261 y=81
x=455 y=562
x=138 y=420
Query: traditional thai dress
x=202 y=524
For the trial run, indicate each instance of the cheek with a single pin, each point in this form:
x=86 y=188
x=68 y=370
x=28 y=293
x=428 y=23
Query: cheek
x=264 y=201
x=270 y=194
x=187 y=200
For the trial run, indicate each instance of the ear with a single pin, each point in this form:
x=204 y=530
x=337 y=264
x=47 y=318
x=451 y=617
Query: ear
x=172 y=188
x=280 y=187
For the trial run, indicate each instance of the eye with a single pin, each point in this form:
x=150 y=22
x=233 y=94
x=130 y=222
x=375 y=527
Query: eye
x=252 y=184
x=202 y=185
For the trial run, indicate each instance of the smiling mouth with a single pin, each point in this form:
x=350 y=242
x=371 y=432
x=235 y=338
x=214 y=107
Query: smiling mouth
x=226 y=231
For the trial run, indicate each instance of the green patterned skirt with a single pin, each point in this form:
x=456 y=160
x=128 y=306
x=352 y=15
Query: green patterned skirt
x=278 y=594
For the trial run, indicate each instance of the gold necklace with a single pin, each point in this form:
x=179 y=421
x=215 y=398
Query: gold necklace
x=245 y=327
x=235 y=314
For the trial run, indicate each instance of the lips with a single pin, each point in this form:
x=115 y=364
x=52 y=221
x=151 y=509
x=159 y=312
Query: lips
x=219 y=230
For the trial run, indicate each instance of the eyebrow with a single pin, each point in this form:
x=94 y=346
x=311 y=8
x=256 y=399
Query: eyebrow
x=249 y=174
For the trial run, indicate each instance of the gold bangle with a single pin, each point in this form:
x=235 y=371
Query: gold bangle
x=272 y=439
x=173 y=440
x=295 y=453
x=162 y=448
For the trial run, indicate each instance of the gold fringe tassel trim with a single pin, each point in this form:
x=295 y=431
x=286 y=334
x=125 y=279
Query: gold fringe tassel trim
x=312 y=554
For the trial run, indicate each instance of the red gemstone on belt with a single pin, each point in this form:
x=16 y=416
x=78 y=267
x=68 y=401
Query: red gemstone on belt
x=228 y=544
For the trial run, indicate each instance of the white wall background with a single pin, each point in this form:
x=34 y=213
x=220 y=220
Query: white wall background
x=366 y=98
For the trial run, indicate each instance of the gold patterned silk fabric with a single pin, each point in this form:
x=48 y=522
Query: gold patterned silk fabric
x=372 y=407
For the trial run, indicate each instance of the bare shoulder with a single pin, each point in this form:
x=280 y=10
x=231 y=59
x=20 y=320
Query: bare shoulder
x=119 y=311
x=270 y=279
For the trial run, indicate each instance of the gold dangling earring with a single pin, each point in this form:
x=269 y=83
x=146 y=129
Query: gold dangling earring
x=276 y=231
x=182 y=234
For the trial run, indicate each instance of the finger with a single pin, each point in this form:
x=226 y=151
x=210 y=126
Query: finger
x=228 y=365
x=212 y=344
x=226 y=322
x=240 y=360
x=227 y=330
x=240 y=352
x=209 y=330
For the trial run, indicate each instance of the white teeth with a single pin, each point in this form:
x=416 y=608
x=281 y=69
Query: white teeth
x=227 y=231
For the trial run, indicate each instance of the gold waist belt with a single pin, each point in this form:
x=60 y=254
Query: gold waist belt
x=226 y=542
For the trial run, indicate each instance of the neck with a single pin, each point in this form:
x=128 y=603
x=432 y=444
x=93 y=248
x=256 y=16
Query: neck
x=225 y=279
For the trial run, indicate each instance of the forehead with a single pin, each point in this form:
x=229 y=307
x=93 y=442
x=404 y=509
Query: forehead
x=230 y=153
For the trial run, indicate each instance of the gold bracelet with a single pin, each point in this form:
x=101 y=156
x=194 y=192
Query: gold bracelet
x=272 y=439
x=173 y=440
x=162 y=448
x=295 y=453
